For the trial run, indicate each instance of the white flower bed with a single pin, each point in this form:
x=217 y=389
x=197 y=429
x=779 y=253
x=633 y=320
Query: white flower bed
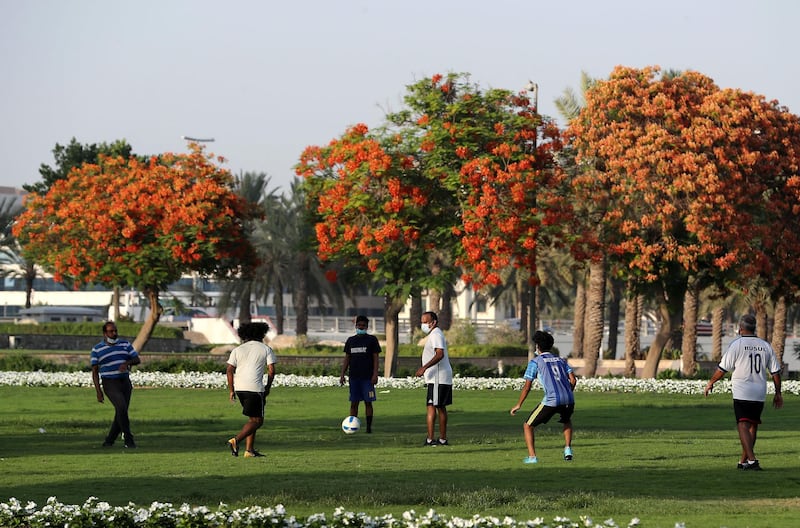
x=13 y=514
x=204 y=380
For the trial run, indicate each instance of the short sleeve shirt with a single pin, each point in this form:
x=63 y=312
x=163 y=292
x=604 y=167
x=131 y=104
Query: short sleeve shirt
x=250 y=359
x=441 y=372
x=752 y=361
x=362 y=349
x=552 y=372
x=108 y=358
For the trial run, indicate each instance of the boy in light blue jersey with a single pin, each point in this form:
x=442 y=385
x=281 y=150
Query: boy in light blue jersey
x=558 y=381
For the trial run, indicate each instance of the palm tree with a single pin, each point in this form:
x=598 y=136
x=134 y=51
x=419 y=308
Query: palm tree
x=253 y=188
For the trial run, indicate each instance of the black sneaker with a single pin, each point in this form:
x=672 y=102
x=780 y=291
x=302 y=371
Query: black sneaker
x=751 y=466
x=130 y=444
x=442 y=442
x=429 y=443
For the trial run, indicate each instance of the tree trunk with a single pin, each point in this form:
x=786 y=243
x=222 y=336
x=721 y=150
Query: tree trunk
x=689 y=340
x=633 y=325
x=595 y=306
x=761 y=319
x=30 y=276
x=578 y=316
x=115 y=302
x=280 y=311
x=614 y=301
x=446 y=312
x=434 y=301
x=717 y=315
x=779 y=328
x=150 y=321
x=244 y=302
x=301 y=302
x=414 y=314
x=522 y=300
x=669 y=309
x=391 y=313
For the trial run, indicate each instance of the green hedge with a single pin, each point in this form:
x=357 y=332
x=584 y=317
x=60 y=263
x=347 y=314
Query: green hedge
x=86 y=329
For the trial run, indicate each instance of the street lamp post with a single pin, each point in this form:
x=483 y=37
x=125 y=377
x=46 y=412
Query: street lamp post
x=197 y=140
x=532 y=288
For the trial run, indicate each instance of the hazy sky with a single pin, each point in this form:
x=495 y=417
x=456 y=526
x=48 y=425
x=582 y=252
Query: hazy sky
x=267 y=78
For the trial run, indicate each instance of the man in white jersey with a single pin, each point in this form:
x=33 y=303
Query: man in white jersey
x=438 y=378
x=751 y=359
x=246 y=366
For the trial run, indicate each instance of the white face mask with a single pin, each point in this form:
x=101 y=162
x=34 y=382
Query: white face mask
x=111 y=340
x=425 y=327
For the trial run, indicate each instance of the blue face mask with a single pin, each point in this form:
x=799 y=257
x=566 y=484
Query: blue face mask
x=361 y=331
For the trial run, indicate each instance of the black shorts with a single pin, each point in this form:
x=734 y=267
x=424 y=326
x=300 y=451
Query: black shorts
x=253 y=403
x=542 y=414
x=748 y=411
x=443 y=398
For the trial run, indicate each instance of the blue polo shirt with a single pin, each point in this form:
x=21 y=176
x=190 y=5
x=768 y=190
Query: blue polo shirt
x=109 y=357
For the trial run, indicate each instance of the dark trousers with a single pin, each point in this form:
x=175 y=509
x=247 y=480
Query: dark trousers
x=119 y=392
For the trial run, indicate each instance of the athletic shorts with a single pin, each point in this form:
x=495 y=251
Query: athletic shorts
x=542 y=414
x=443 y=398
x=748 y=411
x=362 y=390
x=253 y=403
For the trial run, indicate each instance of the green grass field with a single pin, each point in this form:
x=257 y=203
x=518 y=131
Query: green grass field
x=661 y=458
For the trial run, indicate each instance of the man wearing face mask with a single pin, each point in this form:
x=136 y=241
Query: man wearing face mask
x=111 y=361
x=438 y=377
x=361 y=353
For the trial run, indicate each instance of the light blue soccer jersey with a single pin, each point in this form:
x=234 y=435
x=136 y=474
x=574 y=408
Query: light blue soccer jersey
x=553 y=375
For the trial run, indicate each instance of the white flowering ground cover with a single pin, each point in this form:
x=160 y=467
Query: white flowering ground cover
x=201 y=380
x=95 y=513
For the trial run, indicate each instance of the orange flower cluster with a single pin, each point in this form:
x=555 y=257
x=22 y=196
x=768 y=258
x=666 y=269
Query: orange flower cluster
x=126 y=222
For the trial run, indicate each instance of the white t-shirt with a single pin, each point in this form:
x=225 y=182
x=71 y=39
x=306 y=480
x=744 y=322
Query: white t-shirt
x=441 y=372
x=250 y=359
x=753 y=362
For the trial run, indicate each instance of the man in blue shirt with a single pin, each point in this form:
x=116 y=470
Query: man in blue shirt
x=558 y=381
x=112 y=360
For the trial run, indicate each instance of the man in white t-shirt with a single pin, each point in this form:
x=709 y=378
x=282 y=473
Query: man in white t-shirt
x=751 y=359
x=246 y=366
x=438 y=378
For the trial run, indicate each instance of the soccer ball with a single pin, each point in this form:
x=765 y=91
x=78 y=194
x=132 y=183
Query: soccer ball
x=351 y=424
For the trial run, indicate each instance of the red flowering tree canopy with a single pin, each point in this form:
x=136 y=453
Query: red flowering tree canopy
x=124 y=222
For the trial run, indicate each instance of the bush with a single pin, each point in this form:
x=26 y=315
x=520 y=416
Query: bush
x=462 y=332
x=86 y=329
x=504 y=335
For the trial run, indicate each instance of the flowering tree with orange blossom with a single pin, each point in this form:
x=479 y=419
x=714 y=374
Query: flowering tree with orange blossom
x=667 y=185
x=124 y=222
x=410 y=202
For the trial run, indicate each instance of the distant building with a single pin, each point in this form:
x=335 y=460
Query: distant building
x=61 y=314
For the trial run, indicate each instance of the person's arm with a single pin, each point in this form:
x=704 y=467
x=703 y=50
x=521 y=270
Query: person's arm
x=132 y=360
x=522 y=395
x=777 y=400
x=374 y=379
x=270 y=377
x=96 y=382
x=718 y=374
x=438 y=354
x=572 y=380
x=231 y=389
x=345 y=366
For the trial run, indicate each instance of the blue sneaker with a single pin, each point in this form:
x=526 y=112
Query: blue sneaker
x=567 y=453
x=530 y=460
